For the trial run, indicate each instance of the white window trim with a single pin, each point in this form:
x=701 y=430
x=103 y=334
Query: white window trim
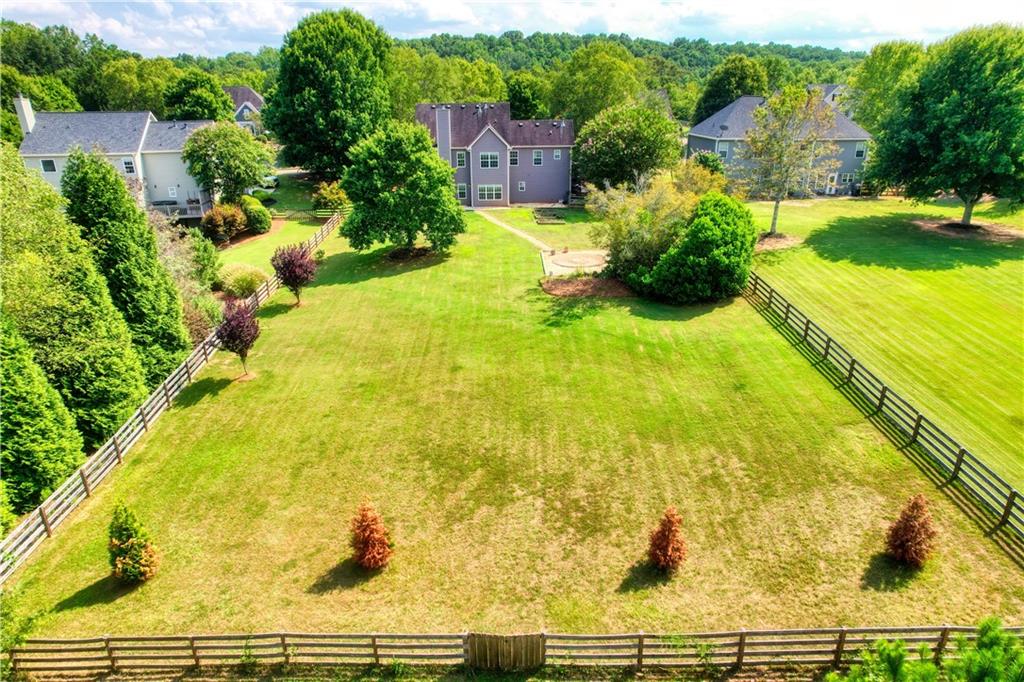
x=42 y=166
x=861 y=150
x=460 y=159
x=460 y=191
x=125 y=161
x=494 y=190
x=557 y=155
x=522 y=185
x=535 y=157
x=497 y=159
x=172 y=192
x=513 y=157
x=723 y=150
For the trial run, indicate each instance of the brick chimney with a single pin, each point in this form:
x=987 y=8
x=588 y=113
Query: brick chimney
x=26 y=116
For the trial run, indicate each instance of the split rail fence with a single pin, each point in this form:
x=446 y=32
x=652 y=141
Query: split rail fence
x=823 y=647
x=954 y=462
x=41 y=523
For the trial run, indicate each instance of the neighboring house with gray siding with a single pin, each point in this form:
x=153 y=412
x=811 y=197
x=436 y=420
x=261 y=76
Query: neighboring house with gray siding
x=248 y=104
x=724 y=131
x=500 y=161
x=147 y=152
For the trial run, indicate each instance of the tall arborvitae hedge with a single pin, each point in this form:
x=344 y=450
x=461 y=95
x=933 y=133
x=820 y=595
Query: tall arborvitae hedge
x=39 y=445
x=124 y=248
x=60 y=305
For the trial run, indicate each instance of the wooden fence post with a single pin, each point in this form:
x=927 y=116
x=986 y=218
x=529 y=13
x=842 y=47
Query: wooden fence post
x=881 y=398
x=640 y=652
x=828 y=347
x=1010 y=499
x=85 y=482
x=110 y=655
x=543 y=648
x=46 y=521
x=188 y=371
x=807 y=328
x=940 y=648
x=917 y=428
x=284 y=649
x=376 y=653
x=849 y=372
x=741 y=648
x=167 y=393
x=142 y=413
x=837 y=658
x=785 y=318
x=206 y=352
x=771 y=297
x=195 y=652
x=117 y=449
x=956 y=466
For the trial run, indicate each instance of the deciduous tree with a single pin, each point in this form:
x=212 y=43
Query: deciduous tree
x=788 y=145
x=197 y=95
x=295 y=267
x=527 y=94
x=873 y=86
x=625 y=142
x=124 y=248
x=239 y=331
x=597 y=76
x=331 y=90
x=226 y=159
x=401 y=188
x=959 y=126
x=736 y=75
x=61 y=305
x=139 y=84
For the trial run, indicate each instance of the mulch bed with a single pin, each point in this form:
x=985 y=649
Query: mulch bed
x=576 y=287
x=985 y=231
x=775 y=242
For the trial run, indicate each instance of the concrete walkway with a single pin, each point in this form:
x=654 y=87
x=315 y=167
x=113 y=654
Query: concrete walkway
x=516 y=231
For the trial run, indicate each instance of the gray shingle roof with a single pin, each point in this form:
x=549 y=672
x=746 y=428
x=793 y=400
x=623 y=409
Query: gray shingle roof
x=469 y=119
x=170 y=136
x=738 y=118
x=114 y=132
x=240 y=94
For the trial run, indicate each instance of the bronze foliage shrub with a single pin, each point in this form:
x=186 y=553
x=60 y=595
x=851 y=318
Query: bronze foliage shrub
x=370 y=539
x=667 y=550
x=911 y=537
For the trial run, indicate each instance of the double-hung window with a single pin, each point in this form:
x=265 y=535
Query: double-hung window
x=460 y=159
x=522 y=185
x=513 y=157
x=172 y=192
x=723 y=150
x=488 y=192
x=488 y=159
x=846 y=178
x=538 y=157
x=861 y=151
x=557 y=155
x=128 y=163
x=460 y=190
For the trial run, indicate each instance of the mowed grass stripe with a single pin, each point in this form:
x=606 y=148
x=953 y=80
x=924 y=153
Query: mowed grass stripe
x=520 y=449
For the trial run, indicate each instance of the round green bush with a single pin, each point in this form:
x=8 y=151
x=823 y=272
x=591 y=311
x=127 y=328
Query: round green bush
x=257 y=217
x=222 y=222
x=330 y=195
x=241 y=280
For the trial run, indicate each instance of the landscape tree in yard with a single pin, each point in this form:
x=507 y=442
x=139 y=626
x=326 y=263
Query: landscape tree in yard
x=225 y=158
x=39 y=446
x=597 y=76
x=239 y=331
x=625 y=142
x=527 y=93
x=959 y=126
x=295 y=267
x=737 y=75
x=879 y=76
x=401 y=188
x=788 y=145
x=667 y=548
x=332 y=89
x=197 y=95
x=370 y=542
x=124 y=248
x=133 y=557
x=911 y=537
x=60 y=304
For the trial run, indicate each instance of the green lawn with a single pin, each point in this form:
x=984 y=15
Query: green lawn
x=257 y=251
x=520 y=449
x=293 y=193
x=575 y=233
x=939 y=318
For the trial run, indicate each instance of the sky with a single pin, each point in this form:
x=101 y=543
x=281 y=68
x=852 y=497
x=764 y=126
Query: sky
x=170 y=27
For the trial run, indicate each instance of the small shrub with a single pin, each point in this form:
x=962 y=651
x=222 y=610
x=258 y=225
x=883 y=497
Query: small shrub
x=330 y=195
x=320 y=256
x=295 y=267
x=912 y=536
x=890 y=661
x=239 y=331
x=241 y=280
x=994 y=656
x=205 y=259
x=257 y=217
x=370 y=539
x=711 y=161
x=667 y=550
x=133 y=557
x=222 y=222
x=264 y=197
x=202 y=315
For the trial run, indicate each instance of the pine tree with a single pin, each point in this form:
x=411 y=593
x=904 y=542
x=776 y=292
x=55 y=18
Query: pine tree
x=911 y=537
x=124 y=248
x=667 y=550
x=133 y=557
x=39 y=446
x=61 y=306
x=370 y=539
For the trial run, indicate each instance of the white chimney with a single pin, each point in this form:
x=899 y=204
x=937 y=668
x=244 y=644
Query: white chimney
x=26 y=117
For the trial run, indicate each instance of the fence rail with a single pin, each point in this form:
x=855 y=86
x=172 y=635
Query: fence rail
x=41 y=523
x=954 y=462
x=731 y=649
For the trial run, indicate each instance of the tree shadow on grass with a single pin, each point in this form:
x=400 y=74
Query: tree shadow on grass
x=643 y=576
x=200 y=390
x=884 y=574
x=104 y=591
x=274 y=309
x=563 y=311
x=893 y=241
x=343 y=576
x=350 y=267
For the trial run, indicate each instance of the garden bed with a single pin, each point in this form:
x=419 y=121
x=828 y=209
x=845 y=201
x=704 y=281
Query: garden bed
x=576 y=287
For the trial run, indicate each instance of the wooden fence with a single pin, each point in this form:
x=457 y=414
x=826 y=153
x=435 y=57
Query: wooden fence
x=55 y=509
x=954 y=462
x=710 y=650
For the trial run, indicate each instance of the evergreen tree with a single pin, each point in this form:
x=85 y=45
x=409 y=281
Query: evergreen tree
x=124 y=248
x=39 y=446
x=133 y=557
x=61 y=306
x=332 y=89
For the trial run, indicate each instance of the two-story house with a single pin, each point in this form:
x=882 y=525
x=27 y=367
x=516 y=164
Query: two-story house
x=247 y=103
x=498 y=160
x=147 y=152
x=724 y=131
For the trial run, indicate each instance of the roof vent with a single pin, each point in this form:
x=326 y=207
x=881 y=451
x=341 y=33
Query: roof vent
x=463 y=106
x=536 y=124
x=492 y=106
x=520 y=124
x=433 y=106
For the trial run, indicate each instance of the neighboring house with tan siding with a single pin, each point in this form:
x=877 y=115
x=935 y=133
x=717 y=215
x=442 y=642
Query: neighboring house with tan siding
x=500 y=161
x=147 y=152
